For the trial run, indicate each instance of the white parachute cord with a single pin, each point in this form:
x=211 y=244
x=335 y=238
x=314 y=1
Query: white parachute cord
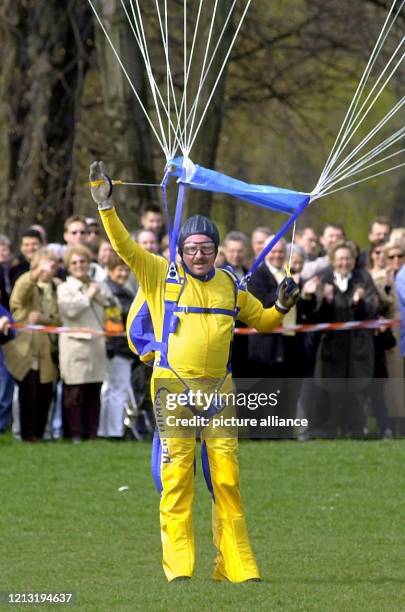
x=187 y=68
x=360 y=88
x=153 y=85
x=205 y=71
x=371 y=134
x=220 y=74
x=152 y=82
x=388 y=142
x=344 y=162
x=292 y=247
x=184 y=100
x=362 y=169
x=170 y=86
x=196 y=100
x=168 y=71
x=322 y=194
x=161 y=143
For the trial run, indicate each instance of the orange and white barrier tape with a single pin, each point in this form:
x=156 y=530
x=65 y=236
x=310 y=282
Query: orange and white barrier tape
x=240 y=331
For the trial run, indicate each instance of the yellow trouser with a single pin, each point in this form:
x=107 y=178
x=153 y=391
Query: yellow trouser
x=235 y=560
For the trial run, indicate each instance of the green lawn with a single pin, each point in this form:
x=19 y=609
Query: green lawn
x=326 y=520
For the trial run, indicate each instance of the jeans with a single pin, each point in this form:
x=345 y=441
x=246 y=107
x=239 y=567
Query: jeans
x=6 y=395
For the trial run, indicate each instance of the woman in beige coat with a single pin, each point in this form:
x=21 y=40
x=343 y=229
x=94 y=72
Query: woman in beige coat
x=31 y=357
x=83 y=359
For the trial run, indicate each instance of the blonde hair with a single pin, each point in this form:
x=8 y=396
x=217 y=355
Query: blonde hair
x=43 y=253
x=78 y=249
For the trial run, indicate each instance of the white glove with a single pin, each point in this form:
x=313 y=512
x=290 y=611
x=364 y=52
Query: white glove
x=102 y=190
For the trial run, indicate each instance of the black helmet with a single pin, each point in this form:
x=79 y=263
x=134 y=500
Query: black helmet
x=198 y=224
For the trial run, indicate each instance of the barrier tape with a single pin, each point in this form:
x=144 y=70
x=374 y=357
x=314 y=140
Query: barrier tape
x=240 y=331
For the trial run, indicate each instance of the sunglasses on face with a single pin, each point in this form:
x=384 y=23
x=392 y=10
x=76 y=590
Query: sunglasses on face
x=396 y=256
x=206 y=248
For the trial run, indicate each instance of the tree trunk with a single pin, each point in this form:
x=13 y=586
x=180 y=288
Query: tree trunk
x=46 y=58
x=130 y=156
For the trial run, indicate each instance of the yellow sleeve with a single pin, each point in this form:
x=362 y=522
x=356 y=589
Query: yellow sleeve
x=149 y=269
x=254 y=315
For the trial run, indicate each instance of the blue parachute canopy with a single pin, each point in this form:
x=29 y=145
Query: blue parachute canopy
x=272 y=198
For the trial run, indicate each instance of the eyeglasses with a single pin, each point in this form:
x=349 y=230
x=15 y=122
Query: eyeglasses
x=396 y=256
x=74 y=232
x=206 y=248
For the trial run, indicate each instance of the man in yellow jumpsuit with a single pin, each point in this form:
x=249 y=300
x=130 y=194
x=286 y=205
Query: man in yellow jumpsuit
x=198 y=348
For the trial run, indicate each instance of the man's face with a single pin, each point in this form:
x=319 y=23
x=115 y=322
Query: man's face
x=29 y=246
x=330 y=236
x=277 y=255
x=93 y=234
x=152 y=221
x=148 y=241
x=119 y=275
x=379 y=231
x=199 y=254
x=76 y=233
x=235 y=253
x=258 y=241
x=309 y=242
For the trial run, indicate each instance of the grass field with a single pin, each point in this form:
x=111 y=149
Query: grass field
x=326 y=520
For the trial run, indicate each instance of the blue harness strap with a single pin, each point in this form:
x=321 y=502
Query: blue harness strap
x=260 y=258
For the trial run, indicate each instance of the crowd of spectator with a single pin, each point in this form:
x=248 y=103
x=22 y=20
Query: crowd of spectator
x=76 y=384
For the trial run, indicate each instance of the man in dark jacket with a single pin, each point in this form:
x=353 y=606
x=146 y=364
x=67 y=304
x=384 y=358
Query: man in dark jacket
x=277 y=356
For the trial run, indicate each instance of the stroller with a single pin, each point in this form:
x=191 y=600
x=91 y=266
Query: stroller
x=138 y=410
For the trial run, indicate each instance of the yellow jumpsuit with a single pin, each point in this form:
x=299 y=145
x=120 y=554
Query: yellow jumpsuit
x=199 y=349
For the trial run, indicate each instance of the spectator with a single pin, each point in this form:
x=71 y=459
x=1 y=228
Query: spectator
x=30 y=242
x=278 y=356
x=308 y=240
x=152 y=219
x=258 y=240
x=5 y=263
x=148 y=240
x=104 y=253
x=93 y=238
x=345 y=360
x=83 y=359
x=394 y=252
x=6 y=380
x=235 y=249
x=397 y=234
x=31 y=356
x=75 y=231
x=120 y=357
x=383 y=338
x=42 y=231
x=296 y=257
x=378 y=233
x=332 y=233
x=400 y=287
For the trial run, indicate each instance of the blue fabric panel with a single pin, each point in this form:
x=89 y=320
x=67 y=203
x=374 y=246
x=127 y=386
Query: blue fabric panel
x=141 y=330
x=156 y=460
x=273 y=198
x=206 y=469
